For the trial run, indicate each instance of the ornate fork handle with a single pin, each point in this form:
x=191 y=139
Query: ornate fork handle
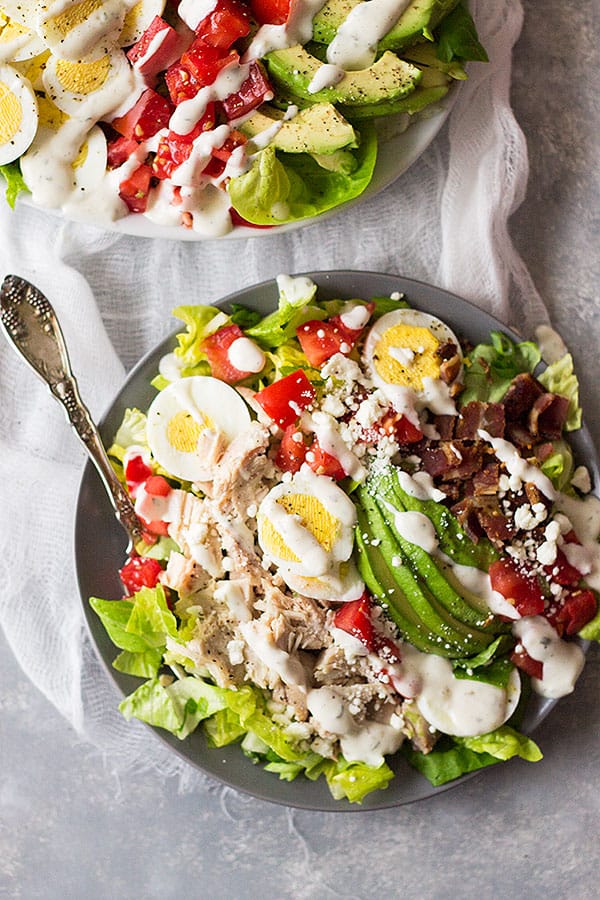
x=31 y=325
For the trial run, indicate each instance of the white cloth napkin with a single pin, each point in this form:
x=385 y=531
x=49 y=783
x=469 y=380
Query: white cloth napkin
x=444 y=221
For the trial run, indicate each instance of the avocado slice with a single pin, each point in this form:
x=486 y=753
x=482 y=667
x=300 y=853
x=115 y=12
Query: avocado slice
x=318 y=129
x=456 y=638
x=389 y=78
x=417 y=21
x=412 y=104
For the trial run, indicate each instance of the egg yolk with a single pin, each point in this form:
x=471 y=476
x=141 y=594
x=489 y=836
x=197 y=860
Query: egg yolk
x=183 y=431
x=50 y=116
x=11 y=114
x=406 y=354
x=130 y=25
x=82 y=78
x=313 y=516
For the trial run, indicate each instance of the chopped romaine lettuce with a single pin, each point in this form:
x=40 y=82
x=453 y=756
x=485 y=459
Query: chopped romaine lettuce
x=559 y=466
x=490 y=368
x=559 y=378
x=15 y=183
x=131 y=432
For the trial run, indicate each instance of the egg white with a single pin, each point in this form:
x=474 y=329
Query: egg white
x=137 y=19
x=211 y=404
x=91 y=88
x=18 y=114
x=78 y=29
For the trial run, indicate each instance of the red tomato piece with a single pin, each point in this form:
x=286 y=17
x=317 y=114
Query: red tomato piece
x=119 y=151
x=174 y=149
x=271 y=12
x=352 y=334
x=156 y=50
x=323 y=463
x=228 y=22
x=284 y=400
x=354 y=617
x=401 y=428
x=256 y=89
x=139 y=572
x=517 y=585
x=522 y=660
x=136 y=470
x=135 y=189
x=292 y=450
x=157 y=486
x=216 y=347
x=562 y=572
x=147 y=116
x=578 y=609
x=204 y=62
x=180 y=83
x=320 y=341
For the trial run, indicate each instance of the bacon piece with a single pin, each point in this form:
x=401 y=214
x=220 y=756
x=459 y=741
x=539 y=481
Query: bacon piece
x=478 y=415
x=522 y=393
x=486 y=482
x=451 y=460
x=482 y=516
x=547 y=416
x=444 y=425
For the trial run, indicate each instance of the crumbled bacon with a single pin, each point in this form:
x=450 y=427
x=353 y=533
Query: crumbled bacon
x=453 y=459
x=522 y=393
x=477 y=415
x=547 y=416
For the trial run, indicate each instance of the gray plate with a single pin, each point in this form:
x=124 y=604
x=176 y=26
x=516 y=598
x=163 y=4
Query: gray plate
x=100 y=544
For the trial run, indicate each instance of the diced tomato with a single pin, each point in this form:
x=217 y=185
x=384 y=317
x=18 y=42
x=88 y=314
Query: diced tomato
x=173 y=149
x=517 y=585
x=401 y=428
x=578 y=609
x=256 y=89
x=180 y=83
x=354 y=617
x=323 y=463
x=321 y=340
x=136 y=471
x=271 y=12
x=562 y=572
x=204 y=62
x=154 y=529
x=135 y=189
x=228 y=22
x=216 y=347
x=147 y=116
x=119 y=151
x=292 y=450
x=284 y=400
x=236 y=219
x=157 y=486
x=163 y=42
x=139 y=572
x=522 y=660
x=233 y=140
x=352 y=334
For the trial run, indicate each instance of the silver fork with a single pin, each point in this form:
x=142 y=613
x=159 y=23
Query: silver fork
x=32 y=327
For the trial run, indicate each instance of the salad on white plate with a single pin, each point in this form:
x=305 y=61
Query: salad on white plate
x=364 y=537
x=206 y=116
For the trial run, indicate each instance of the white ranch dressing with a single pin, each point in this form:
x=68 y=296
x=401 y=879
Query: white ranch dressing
x=436 y=397
x=355 y=44
x=419 y=485
x=562 y=661
x=194 y=11
x=414 y=527
x=246 y=355
x=367 y=741
x=327 y=432
x=508 y=454
x=48 y=164
x=228 y=81
x=354 y=315
x=232 y=594
x=297 y=30
x=327 y=75
x=552 y=346
x=286 y=665
x=190 y=172
x=479 y=583
x=584 y=516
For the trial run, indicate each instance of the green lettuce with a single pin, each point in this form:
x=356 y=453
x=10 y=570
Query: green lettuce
x=453 y=757
x=559 y=466
x=457 y=37
x=295 y=306
x=15 y=183
x=131 y=432
x=559 y=378
x=490 y=368
x=591 y=631
x=178 y=707
x=286 y=187
x=201 y=322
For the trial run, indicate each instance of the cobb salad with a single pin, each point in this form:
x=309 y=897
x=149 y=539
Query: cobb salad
x=364 y=537
x=214 y=114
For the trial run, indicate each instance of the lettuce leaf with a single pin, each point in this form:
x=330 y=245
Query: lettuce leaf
x=286 y=187
x=503 y=744
x=457 y=37
x=559 y=466
x=295 y=306
x=355 y=780
x=559 y=378
x=591 y=631
x=177 y=707
x=490 y=368
x=131 y=432
x=201 y=322
x=15 y=183
x=137 y=626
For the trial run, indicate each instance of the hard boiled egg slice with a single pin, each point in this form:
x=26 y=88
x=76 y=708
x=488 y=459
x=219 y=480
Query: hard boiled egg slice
x=306 y=526
x=344 y=584
x=17 y=41
x=401 y=351
x=18 y=114
x=24 y=11
x=90 y=165
x=138 y=18
x=187 y=414
x=76 y=29
x=91 y=88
